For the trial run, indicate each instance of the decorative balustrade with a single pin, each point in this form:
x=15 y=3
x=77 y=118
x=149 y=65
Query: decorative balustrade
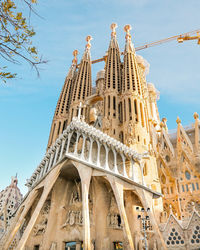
x=88 y=145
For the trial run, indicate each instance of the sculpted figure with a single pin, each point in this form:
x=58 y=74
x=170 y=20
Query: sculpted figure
x=41 y=227
x=93 y=114
x=107 y=123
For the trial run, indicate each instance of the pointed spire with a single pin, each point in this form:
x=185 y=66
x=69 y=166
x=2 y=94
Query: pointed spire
x=83 y=81
x=129 y=46
x=60 y=119
x=86 y=54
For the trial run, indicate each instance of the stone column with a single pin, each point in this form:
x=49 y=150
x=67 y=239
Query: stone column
x=83 y=147
x=106 y=161
x=62 y=148
x=124 y=166
x=85 y=175
x=98 y=154
x=119 y=196
x=56 y=154
x=49 y=182
x=115 y=162
x=76 y=143
x=68 y=142
x=90 y=150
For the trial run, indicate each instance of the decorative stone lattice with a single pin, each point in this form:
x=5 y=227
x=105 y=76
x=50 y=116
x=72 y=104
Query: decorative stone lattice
x=195 y=239
x=174 y=239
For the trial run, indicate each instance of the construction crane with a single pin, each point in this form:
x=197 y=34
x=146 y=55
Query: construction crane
x=180 y=39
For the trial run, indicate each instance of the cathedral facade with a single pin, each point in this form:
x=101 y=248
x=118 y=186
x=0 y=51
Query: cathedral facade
x=113 y=177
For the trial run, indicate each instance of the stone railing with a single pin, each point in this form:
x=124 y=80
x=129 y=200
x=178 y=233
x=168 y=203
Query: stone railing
x=92 y=147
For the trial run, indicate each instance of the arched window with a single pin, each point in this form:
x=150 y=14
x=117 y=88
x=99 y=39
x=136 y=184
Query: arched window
x=59 y=124
x=142 y=114
x=121 y=137
x=145 y=170
x=114 y=102
x=120 y=112
x=124 y=110
x=114 y=106
x=136 y=111
x=104 y=106
x=129 y=107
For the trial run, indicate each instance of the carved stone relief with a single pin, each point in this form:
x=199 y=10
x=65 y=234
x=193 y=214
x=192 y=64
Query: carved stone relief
x=113 y=217
x=107 y=123
x=131 y=133
x=40 y=228
x=53 y=246
x=74 y=214
x=73 y=218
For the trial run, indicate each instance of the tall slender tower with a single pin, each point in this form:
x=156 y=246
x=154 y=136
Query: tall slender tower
x=61 y=116
x=134 y=129
x=112 y=86
x=83 y=83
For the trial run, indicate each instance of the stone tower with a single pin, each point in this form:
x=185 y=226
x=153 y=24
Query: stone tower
x=10 y=199
x=61 y=116
x=83 y=83
x=112 y=87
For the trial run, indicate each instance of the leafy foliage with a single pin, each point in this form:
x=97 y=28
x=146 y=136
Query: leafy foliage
x=15 y=37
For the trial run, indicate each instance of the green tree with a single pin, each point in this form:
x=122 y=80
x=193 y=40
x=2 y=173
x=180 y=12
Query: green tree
x=16 y=37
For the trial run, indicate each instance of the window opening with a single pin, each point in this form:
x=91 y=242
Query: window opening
x=129 y=105
x=136 y=112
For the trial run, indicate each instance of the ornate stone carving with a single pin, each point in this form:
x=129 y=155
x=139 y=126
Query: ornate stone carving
x=76 y=193
x=99 y=108
x=73 y=218
x=114 y=221
x=53 y=246
x=193 y=205
x=113 y=217
x=107 y=123
x=40 y=228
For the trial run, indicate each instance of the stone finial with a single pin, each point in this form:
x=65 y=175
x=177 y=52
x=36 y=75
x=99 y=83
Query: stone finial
x=164 y=119
x=155 y=123
x=196 y=116
x=88 y=39
x=75 y=53
x=193 y=206
x=178 y=120
x=113 y=27
x=127 y=29
x=162 y=125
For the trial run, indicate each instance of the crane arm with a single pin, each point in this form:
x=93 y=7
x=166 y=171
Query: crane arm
x=180 y=38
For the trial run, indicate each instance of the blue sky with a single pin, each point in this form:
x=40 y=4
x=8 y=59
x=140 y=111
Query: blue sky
x=27 y=104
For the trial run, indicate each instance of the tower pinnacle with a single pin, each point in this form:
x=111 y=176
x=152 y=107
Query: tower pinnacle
x=129 y=45
x=113 y=27
x=75 y=53
x=88 y=39
x=127 y=28
x=86 y=55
